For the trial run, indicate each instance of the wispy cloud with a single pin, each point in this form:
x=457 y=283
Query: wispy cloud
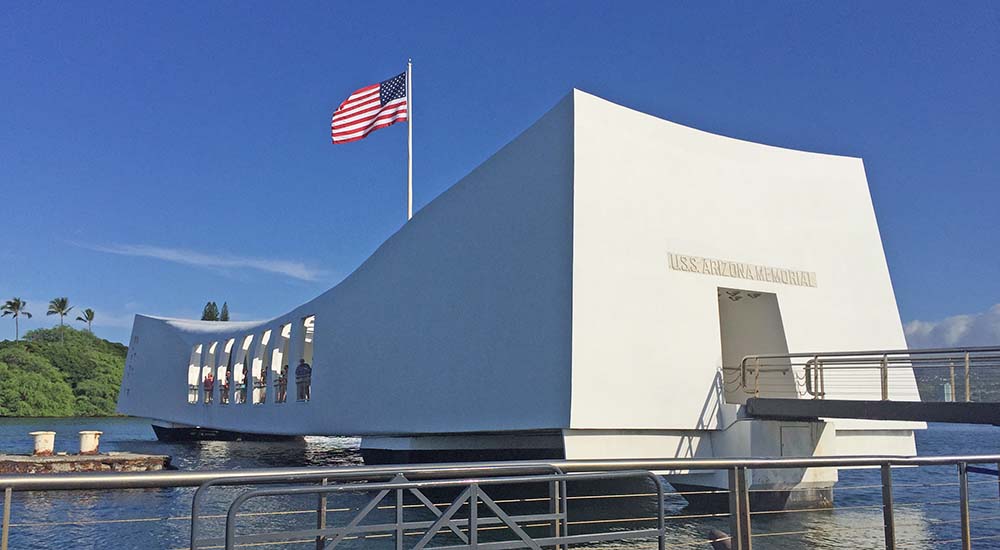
x=113 y=320
x=975 y=329
x=289 y=268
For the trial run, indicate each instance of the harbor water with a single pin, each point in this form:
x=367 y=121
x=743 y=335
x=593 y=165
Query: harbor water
x=926 y=498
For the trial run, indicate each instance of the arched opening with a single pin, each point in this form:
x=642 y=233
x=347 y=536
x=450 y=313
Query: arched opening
x=194 y=366
x=279 y=363
x=224 y=373
x=261 y=360
x=207 y=372
x=242 y=368
x=303 y=371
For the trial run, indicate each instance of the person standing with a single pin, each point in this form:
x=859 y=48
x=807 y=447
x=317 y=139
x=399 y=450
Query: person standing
x=209 y=387
x=282 y=385
x=261 y=395
x=224 y=386
x=303 y=379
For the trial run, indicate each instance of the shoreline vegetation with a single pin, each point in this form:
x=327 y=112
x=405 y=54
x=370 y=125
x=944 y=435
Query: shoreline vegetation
x=60 y=372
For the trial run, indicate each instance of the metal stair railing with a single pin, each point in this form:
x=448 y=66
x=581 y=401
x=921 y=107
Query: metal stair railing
x=814 y=367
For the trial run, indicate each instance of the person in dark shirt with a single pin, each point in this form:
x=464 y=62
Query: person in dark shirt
x=282 y=385
x=224 y=387
x=241 y=388
x=303 y=379
x=209 y=386
x=262 y=386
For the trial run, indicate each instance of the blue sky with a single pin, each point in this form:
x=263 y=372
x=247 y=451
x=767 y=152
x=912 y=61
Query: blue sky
x=154 y=156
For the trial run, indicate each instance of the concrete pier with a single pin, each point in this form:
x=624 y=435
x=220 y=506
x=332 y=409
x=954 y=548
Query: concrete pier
x=111 y=462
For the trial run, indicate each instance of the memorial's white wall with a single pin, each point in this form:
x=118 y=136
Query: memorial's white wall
x=458 y=322
x=646 y=338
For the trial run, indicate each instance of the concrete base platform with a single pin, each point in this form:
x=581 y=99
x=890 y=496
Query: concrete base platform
x=473 y=447
x=111 y=462
x=196 y=433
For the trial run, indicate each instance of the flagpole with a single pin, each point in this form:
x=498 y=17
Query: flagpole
x=409 y=139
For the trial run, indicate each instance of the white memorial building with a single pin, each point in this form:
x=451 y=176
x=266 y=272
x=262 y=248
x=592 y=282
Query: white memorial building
x=577 y=295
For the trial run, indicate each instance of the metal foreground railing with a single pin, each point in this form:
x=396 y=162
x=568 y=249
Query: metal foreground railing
x=506 y=505
x=472 y=497
x=957 y=367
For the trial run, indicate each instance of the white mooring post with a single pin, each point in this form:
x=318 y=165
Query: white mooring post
x=90 y=440
x=44 y=443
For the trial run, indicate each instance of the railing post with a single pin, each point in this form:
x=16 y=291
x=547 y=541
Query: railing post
x=963 y=497
x=821 y=383
x=564 y=497
x=231 y=516
x=954 y=388
x=747 y=543
x=5 y=528
x=399 y=519
x=661 y=537
x=734 y=510
x=474 y=516
x=885 y=377
x=739 y=509
x=888 y=515
x=756 y=377
x=554 y=510
x=321 y=517
x=968 y=386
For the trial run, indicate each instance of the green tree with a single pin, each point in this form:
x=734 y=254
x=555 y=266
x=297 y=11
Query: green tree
x=21 y=356
x=59 y=306
x=16 y=307
x=91 y=367
x=87 y=317
x=40 y=392
x=210 y=313
x=97 y=394
x=224 y=316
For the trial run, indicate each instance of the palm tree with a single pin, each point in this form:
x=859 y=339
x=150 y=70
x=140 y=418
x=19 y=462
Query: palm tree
x=87 y=317
x=60 y=307
x=15 y=307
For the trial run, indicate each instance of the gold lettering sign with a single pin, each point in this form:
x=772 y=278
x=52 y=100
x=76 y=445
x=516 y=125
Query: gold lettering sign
x=740 y=270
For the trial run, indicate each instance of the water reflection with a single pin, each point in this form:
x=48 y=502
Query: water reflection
x=311 y=451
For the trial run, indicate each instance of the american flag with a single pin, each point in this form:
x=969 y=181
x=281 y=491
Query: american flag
x=370 y=108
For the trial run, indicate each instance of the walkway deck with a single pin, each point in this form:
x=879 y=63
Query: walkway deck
x=785 y=409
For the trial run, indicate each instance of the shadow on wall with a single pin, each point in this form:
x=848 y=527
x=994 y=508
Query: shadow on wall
x=710 y=417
